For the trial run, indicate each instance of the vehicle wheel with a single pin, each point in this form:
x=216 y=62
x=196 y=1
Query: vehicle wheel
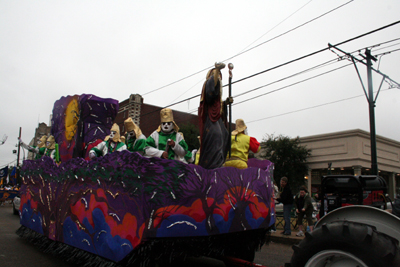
x=15 y=211
x=346 y=244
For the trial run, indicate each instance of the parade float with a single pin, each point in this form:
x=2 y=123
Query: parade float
x=124 y=209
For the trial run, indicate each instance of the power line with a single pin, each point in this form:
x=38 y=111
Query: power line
x=277 y=25
x=314 y=53
x=303 y=109
x=290 y=85
x=388 y=52
x=187 y=90
x=383 y=44
x=290 y=76
x=281 y=65
x=304 y=71
x=313 y=68
x=284 y=87
x=184 y=78
x=276 y=90
x=295 y=28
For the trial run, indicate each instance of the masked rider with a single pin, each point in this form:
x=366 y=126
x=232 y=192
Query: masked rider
x=135 y=140
x=39 y=149
x=51 y=147
x=110 y=144
x=165 y=142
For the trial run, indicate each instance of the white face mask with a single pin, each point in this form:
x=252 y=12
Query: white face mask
x=131 y=135
x=47 y=144
x=167 y=127
x=39 y=142
x=112 y=134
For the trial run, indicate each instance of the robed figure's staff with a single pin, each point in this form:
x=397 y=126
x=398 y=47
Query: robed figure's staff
x=230 y=67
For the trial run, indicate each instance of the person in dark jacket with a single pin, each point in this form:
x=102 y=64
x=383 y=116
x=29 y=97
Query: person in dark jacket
x=303 y=207
x=286 y=198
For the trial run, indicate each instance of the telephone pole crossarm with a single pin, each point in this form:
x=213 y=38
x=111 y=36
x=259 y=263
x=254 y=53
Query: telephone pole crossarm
x=362 y=62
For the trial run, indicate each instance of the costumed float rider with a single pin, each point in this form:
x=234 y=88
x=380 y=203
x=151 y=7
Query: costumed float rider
x=110 y=144
x=241 y=144
x=197 y=156
x=165 y=142
x=39 y=149
x=194 y=152
x=52 y=148
x=214 y=137
x=135 y=139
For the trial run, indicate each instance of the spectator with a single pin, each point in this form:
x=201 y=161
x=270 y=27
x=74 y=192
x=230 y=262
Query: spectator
x=275 y=196
x=286 y=198
x=303 y=207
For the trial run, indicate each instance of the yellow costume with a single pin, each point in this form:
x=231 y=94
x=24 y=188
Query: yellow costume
x=240 y=146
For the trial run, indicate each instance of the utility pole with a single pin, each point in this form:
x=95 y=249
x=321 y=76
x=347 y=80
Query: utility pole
x=17 y=170
x=370 y=97
x=371 y=104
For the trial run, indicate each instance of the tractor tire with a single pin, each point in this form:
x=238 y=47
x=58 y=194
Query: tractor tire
x=346 y=243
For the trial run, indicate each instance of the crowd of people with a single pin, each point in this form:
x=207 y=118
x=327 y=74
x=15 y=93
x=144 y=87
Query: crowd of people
x=9 y=187
x=4 y=188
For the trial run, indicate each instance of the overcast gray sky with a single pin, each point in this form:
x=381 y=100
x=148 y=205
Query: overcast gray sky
x=50 y=49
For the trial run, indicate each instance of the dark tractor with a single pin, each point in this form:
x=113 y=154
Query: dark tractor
x=356 y=231
x=347 y=190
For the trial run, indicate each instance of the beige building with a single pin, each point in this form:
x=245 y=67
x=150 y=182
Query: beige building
x=349 y=152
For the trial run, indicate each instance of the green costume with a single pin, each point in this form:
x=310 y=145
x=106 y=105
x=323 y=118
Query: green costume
x=41 y=153
x=110 y=144
x=51 y=147
x=136 y=145
x=39 y=150
x=156 y=144
x=105 y=147
x=135 y=140
x=50 y=153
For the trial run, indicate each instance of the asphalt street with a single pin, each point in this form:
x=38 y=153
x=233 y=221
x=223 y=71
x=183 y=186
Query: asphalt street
x=16 y=251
